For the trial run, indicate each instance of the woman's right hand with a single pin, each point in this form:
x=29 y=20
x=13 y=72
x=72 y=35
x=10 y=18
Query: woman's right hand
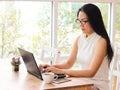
x=43 y=66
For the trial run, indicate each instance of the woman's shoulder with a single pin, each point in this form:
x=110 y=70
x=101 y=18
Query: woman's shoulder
x=102 y=40
x=102 y=43
x=77 y=38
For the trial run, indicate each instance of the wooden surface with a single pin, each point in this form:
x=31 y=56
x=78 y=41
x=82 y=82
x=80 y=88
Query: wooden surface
x=22 y=80
x=116 y=75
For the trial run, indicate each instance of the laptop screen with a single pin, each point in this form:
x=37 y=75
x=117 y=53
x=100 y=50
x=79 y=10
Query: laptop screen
x=30 y=63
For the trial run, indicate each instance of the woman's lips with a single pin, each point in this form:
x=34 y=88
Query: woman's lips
x=83 y=29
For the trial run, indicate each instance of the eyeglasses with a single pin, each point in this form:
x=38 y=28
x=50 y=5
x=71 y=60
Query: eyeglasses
x=83 y=21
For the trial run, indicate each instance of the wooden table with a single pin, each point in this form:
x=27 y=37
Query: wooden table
x=22 y=80
x=116 y=79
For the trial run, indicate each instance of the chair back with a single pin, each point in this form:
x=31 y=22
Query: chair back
x=51 y=54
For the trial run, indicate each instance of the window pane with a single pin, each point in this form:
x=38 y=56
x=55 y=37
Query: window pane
x=117 y=36
x=24 y=24
x=68 y=29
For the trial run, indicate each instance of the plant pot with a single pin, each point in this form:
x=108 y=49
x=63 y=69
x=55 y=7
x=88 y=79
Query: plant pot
x=16 y=68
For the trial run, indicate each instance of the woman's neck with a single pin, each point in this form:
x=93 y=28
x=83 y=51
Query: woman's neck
x=88 y=34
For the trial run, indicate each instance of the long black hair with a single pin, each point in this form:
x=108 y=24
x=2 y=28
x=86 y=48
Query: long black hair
x=96 y=21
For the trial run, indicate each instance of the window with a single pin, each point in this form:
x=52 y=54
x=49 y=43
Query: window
x=25 y=24
x=30 y=24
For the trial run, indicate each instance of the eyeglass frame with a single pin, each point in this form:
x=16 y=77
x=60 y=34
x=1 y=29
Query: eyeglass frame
x=83 y=21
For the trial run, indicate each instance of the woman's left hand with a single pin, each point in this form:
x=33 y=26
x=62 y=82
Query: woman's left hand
x=54 y=70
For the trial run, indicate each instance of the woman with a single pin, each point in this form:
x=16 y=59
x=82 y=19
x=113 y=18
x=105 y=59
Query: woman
x=92 y=49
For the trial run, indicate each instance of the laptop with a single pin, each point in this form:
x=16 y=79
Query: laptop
x=30 y=63
x=33 y=68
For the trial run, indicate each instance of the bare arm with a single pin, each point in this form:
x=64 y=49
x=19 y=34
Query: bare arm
x=99 y=54
x=71 y=59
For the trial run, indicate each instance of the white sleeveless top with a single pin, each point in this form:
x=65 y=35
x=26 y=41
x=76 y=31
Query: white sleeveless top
x=86 y=48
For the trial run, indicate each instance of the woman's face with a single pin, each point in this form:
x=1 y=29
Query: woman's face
x=84 y=23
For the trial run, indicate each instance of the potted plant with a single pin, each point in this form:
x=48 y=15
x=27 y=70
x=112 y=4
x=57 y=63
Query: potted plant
x=15 y=63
